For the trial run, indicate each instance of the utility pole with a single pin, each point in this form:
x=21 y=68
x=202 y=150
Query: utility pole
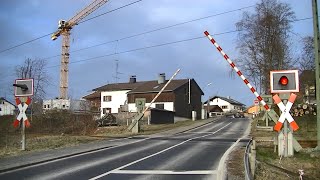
x=317 y=53
x=117 y=73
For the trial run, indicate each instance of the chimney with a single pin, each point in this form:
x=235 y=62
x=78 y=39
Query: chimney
x=228 y=97
x=162 y=78
x=133 y=79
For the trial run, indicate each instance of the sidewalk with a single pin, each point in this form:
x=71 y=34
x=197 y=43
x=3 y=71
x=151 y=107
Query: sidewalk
x=33 y=158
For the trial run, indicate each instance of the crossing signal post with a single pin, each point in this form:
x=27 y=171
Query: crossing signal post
x=285 y=82
x=23 y=89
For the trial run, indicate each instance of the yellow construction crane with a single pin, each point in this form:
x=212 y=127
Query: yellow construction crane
x=64 y=29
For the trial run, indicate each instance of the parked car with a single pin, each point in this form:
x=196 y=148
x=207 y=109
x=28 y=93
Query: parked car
x=107 y=120
x=239 y=115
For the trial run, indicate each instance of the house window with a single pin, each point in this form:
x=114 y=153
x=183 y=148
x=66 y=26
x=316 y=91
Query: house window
x=224 y=107
x=106 y=98
x=63 y=106
x=44 y=106
x=0 y=109
x=48 y=106
x=160 y=106
x=106 y=110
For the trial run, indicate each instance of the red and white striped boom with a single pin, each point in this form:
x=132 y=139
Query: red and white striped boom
x=226 y=57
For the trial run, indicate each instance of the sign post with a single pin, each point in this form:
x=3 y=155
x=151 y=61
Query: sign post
x=23 y=88
x=285 y=82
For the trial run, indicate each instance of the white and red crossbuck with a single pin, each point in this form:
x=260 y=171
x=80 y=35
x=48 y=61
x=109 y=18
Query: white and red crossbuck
x=285 y=112
x=22 y=113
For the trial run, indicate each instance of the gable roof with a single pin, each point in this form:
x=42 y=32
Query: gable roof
x=119 y=86
x=154 y=86
x=229 y=100
x=140 y=87
x=4 y=99
x=214 y=108
x=92 y=95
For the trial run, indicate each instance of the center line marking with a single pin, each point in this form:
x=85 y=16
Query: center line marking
x=147 y=157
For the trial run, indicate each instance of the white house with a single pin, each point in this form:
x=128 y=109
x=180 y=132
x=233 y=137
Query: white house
x=181 y=96
x=65 y=104
x=6 y=107
x=112 y=100
x=114 y=96
x=226 y=103
x=56 y=104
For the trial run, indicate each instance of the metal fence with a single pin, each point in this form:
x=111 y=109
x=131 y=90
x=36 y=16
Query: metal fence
x=248 y=155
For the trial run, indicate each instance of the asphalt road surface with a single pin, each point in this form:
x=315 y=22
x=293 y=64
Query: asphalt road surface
x=193 y=154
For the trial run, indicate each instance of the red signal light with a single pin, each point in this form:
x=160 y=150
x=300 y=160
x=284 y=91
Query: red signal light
x=284 y=80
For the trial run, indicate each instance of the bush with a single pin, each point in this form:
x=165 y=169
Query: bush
x=63 y=122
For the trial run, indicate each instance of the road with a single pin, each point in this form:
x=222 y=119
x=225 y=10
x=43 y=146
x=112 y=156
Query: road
x=193 y=154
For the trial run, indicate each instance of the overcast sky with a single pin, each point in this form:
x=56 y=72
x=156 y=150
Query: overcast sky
x=25 y=20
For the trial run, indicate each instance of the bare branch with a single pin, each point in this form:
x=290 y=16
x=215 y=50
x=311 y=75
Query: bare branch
x=34 y=69
x=264 y=40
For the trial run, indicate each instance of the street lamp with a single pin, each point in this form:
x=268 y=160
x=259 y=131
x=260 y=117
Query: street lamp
x=208 y=104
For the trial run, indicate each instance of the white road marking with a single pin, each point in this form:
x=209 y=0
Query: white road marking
x=155 y=172
x=147 y=157
x=199 y=132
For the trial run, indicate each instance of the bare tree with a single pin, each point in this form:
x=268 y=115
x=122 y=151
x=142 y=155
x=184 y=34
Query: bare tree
x=34 y=68
x=264 y=41
x=307 y=56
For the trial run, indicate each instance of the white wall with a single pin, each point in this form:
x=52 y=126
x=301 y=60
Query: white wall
x=56 y=104
x=167 y=106
x=117 y=98
x=220 y=103
x=6 y=108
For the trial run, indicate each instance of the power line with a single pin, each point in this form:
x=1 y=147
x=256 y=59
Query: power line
x=18 y=45
x=147 y=47
x=162 y=28
x=301 y=19
x=185 y=22
x=109 y=11
x=139 y=34
x=142 y=48
x=157 y=29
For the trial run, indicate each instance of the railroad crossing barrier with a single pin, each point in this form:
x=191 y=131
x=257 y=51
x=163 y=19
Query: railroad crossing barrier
x=280 y=83
x=245 y=80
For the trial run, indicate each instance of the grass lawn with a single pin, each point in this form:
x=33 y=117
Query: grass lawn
x=269 y=164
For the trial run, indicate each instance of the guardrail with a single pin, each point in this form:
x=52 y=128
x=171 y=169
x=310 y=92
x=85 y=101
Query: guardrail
x=249 y=160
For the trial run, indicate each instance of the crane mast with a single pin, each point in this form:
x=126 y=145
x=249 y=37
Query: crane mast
x=64 y=29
